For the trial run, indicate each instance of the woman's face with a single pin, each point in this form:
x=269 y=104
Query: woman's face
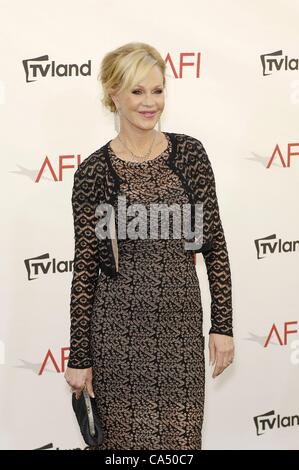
x=148 y=96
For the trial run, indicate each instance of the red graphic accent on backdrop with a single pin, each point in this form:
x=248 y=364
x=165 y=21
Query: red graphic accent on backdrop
x=59 y=365
x=61 y=166
x=195 y=63
x=285 y=333
x=277 y=152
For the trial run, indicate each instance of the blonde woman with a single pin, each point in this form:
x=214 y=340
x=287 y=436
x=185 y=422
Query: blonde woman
x=137 y=339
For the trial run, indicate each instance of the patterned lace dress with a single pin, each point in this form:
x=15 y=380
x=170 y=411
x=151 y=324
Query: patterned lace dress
x=146 y=326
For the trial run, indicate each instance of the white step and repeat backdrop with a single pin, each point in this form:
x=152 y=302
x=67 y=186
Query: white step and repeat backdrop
x=233 y=83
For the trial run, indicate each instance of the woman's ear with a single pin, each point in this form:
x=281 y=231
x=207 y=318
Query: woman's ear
x=115 y=100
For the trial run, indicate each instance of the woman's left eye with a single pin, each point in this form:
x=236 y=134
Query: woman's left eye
x=137 y=91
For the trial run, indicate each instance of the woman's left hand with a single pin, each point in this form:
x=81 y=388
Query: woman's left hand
x=221 y=349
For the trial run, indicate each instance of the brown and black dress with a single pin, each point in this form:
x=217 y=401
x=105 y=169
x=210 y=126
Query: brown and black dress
x=146 y=329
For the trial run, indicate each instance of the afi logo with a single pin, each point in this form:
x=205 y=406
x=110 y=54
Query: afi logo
x=59 y=364
x=283 y=336
x=277 y=153
x=57 y=175
x=195 y=63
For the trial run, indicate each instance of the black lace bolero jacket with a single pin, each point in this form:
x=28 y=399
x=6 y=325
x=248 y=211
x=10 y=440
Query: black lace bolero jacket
x=95 y=181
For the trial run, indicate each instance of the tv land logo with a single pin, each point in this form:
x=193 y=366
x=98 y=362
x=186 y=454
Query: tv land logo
x=40 y=67
x=269 y=422
x=276 y=62
x=42 y=264
x=269 y=245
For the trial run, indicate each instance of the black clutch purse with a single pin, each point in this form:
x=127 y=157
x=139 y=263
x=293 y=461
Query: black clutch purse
x=88 y=419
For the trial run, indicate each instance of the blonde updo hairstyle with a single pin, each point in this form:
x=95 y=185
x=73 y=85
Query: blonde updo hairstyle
x=124 y=67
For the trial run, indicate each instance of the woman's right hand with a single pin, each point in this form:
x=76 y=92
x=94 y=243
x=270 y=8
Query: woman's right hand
x=78 y=378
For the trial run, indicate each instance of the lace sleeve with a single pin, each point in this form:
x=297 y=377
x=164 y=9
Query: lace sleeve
x=85 y=270
x=216 y=259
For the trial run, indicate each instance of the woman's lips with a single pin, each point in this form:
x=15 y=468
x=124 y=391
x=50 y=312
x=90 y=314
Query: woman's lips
x=147 y=115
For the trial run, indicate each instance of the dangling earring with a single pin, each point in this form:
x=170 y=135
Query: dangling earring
x=159 y=125
x=116 y=121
